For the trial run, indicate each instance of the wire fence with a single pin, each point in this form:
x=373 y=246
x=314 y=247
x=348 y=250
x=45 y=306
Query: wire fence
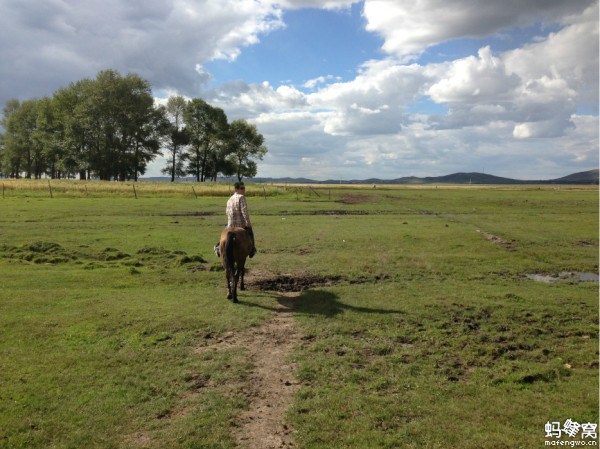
x=70 y=188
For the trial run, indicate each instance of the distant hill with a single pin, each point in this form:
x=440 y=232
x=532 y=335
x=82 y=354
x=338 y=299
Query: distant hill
x=585 y=177
x=471 y=178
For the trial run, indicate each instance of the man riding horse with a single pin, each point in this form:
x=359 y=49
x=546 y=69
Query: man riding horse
x=237 y=215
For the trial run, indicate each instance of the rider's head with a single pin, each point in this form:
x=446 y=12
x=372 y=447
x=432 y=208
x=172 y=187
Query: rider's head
x=239 y=187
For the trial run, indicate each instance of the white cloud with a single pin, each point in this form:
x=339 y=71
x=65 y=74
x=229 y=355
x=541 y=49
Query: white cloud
x=52 y=43
x=537 y=87
x=244 y=21
x=554 y=127
x=241 y=100
x=411 y=27
x=325 y=4
x=311 y=84
x=570 y=54
x=580 y=144
x=373 y=102
x=296 y=141
x=474 y=80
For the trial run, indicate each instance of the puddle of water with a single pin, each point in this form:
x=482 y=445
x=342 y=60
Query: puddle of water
x=564 y=276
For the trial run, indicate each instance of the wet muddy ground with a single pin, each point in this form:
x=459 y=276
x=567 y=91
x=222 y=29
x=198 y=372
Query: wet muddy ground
x=565 y=276
x=287 y=282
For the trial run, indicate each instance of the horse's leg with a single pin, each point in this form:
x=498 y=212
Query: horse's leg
x=236 y=275
x=229 y=276
x=242 y=286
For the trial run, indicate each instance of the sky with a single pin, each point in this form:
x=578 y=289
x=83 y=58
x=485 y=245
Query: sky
x=342 y=89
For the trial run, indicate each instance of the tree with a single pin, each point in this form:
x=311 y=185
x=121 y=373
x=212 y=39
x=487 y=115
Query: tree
x=207 y=128
x=126 y=108
x=47 y=138
x=177 y=138
x=10 y=107
x=19 y=153
x=148 y=138
x=76 y=138
x=150 y=128
x=246 y=144
x=220 y=162
x=119 y=125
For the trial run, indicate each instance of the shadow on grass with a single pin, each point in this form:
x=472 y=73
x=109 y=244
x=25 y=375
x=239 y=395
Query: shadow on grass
x=316 y=302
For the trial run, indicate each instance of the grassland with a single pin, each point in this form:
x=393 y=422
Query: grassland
x=419 y=327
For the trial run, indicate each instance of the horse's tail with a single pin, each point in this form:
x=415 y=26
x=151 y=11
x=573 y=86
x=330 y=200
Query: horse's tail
x=228 y=251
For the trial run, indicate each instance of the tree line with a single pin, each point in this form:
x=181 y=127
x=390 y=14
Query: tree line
x=110 y=128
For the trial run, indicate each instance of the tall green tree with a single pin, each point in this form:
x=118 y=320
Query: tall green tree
x=19 y=153
x=76 y=137
x=148 y=139
x=178 y=137
x=247 y=144
x=125 y=108
x=47 y=137
x=120 y=130
x=10 y=107
x=220 y=162
x=207 y=128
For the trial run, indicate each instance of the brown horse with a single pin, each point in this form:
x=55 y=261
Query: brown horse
x=235 y=246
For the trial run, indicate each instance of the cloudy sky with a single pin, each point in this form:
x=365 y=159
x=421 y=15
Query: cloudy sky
x=343 y=89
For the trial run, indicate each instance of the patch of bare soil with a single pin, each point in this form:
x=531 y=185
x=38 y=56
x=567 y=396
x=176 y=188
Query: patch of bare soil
x=497 y=240
x=191 y=214
x=271 y=386
x=298 y=252
x=257 y=279
x=138 y=440
x=332 y=212
x=288 y=283
x=358 y=198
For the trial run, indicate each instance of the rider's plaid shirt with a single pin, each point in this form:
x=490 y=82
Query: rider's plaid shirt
x=237 y=211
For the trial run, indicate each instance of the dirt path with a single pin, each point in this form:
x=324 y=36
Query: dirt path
x=272 y=386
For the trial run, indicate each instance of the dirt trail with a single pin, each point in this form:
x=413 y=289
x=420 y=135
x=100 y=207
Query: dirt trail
x=272 y=386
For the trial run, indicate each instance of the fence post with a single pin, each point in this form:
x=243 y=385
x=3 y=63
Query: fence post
x=193 y=190
x=86 y=192
x=50 y=188
x=264 y=192
x=2 y=190
x=134 y=192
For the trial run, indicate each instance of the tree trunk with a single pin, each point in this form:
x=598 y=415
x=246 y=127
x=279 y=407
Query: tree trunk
x=174 y=155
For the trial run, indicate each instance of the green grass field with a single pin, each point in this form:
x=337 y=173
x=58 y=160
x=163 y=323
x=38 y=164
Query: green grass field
x=425 y=332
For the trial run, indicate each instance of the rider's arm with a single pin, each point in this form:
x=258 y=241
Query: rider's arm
x=244 y=211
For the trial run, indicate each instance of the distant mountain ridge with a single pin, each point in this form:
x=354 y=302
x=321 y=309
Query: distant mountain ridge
x=585 y=177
